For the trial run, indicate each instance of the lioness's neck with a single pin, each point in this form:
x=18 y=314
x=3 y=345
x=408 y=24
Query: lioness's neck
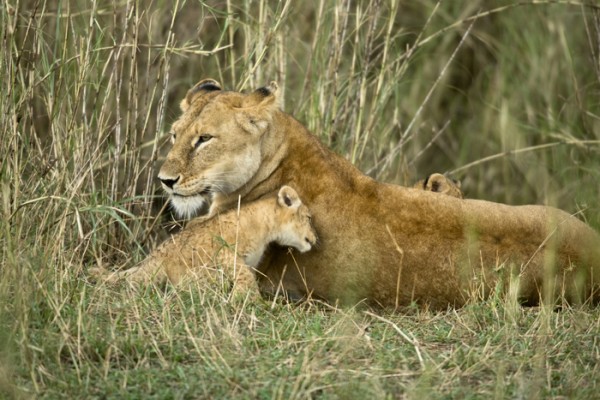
x=300 y=167
x=274 y=148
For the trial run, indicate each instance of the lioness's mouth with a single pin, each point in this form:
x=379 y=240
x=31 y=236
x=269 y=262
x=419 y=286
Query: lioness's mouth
x=205 y=192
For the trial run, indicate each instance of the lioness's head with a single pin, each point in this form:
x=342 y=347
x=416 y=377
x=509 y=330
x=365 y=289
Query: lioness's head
x=216 y=143
x=293 y=221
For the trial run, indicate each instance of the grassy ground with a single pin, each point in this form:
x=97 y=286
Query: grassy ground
x=192 y=344
x=503 y=94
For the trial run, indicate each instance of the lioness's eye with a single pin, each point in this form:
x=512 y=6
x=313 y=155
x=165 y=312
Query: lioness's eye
x=173 y=137
x=203 y=139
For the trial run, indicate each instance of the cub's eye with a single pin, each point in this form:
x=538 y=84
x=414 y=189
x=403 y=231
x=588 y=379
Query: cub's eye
x=173 y=137
x=203 y=139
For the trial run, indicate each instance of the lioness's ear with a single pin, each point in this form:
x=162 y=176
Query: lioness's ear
x=267 y=96
x=288 y=198
x=200 y=88
x=257 y=108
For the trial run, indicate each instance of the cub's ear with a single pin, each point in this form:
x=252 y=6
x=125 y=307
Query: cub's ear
x=288 y=198
x=441 y=184
x=199 y=89
x=436 y=183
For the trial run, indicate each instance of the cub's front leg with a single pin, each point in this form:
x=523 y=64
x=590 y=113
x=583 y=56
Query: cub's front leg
x=244 y=282
x=240 y=275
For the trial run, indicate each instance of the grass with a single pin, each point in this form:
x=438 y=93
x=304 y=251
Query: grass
x=191 y=344
x=503 y=93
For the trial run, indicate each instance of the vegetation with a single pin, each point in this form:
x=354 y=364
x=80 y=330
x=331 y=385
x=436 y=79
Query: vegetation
x=502 y=94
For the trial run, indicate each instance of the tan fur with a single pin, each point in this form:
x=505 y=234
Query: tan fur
x=382 y=244
x=207 y=250
x=440 y=184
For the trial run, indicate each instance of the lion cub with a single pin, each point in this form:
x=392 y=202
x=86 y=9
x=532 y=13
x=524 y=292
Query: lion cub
x=440 y=184
x=208 y=249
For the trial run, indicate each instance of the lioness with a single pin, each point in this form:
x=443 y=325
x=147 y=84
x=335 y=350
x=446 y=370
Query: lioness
x=382 y=244
x=440 y=184
x=207 y=249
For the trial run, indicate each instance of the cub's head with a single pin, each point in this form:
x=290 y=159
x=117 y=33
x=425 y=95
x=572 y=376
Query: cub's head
x=216 y=143
x=293 y=225
x=440 y=184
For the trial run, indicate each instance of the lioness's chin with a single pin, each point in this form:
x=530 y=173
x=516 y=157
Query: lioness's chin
x=189 y=206
x=304 y=248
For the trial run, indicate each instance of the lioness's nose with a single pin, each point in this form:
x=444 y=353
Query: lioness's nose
x=168 y=182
